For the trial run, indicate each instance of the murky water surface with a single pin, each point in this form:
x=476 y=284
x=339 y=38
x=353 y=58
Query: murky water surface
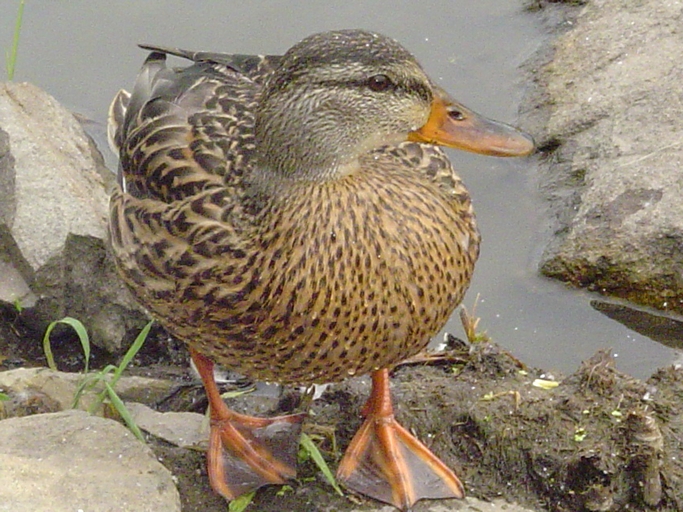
x=82 y=52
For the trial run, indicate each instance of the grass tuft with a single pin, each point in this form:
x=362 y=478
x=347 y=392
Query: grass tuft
x=107 y=376
x=311 y=450
x=470 y=322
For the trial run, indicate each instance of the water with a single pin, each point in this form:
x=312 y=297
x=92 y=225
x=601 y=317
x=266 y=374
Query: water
x=82 y=52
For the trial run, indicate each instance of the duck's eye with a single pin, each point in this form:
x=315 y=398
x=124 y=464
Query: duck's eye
x=379 y=83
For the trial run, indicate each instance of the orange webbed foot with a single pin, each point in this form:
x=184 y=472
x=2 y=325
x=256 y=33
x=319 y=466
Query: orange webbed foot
x=386 y=462
x=246 y=452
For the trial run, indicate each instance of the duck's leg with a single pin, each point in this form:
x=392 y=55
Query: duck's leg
x=386 y=462
x=246 y=452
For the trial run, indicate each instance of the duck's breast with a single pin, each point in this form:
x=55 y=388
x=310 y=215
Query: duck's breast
x=351 y=276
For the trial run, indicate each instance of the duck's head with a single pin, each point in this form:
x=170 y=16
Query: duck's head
x=338 y=95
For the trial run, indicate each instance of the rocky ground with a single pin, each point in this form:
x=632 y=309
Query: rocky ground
x=605 y=106
x=595 y=440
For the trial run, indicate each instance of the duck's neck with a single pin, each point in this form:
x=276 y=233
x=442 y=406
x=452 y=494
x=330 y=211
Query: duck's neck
x=315 y=143
x=300 y=152
x=303 y=160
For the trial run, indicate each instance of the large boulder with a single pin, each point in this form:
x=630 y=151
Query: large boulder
x=53 y=207
x=607 y=111
x=69 y=461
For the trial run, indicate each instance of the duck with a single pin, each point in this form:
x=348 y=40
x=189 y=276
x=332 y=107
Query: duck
x=294 y=218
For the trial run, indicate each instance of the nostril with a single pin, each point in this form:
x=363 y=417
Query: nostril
x=456 y=114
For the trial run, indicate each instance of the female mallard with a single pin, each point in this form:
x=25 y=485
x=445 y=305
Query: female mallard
x=290 y=218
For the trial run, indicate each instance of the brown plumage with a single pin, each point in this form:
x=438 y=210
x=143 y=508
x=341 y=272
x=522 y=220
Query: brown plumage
x=284 y=215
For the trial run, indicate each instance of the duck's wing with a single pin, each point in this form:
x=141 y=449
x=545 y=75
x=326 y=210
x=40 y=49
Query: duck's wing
x=183 y=130
x=115 y=119
x=255 y=67
x=185 y=140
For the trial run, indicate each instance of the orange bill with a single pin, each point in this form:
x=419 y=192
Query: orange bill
x=454 y=125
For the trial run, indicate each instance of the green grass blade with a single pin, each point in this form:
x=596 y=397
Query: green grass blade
x=238 y=392
x=89 y=382
x=123 y=412
x=82 y=336
x=12 y=55
x=101 y=376
x=118 y=370
x=240 y=503
x=86 y=384
x=3 y=397
x=131 y=352
x=308 y=445
x=47 y=349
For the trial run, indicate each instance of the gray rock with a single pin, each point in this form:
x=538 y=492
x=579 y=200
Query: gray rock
x=8 y=206
x=70 y=461
x=57 y=389
x=53 y=207
x=183 y=429
x=607 y=111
